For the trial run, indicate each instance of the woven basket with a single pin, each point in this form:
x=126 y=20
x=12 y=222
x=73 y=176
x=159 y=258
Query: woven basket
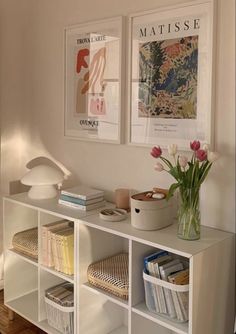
x=26 y=242
x=111 y=275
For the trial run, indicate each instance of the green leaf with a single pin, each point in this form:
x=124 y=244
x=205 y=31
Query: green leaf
x=171 y=190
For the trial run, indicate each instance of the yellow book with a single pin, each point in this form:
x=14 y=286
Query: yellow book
x=67 y=251
x=59 y=245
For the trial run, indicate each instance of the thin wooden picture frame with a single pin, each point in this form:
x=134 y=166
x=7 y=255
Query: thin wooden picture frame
x=159 y=112
x=93 y=74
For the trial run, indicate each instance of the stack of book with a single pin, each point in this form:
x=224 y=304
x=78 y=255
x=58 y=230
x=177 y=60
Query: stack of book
x=174 y=270
x=58 y=246
x=82 y=198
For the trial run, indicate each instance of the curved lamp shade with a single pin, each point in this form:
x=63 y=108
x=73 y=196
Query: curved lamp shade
x=42 y=179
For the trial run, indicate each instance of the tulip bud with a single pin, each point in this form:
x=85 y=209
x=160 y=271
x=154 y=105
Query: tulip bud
x=206 y=147
x=159 y=167
x=156 y=152
x=172 y=149
x=201 y=155
x=183 y=161
x=212 y=156
x=195 y=145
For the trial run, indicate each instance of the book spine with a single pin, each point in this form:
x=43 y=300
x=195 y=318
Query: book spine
x=50 y=262
x=64 y=256
x=153 y=287
x=83 y=197
x=54 y=250
x=160 y=292
x=72 y=205
x=80 y=201
x=183 y=298
x=59 y=252
x=44 y=245
x=69 y=252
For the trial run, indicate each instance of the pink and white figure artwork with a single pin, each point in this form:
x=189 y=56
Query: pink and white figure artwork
x=90 y=68
x=93 y=81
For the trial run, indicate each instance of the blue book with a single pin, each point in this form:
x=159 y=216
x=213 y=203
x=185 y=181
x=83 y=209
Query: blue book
x=152 y=257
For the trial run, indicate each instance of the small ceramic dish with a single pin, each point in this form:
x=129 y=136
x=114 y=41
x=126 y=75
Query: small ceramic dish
x=113 y=215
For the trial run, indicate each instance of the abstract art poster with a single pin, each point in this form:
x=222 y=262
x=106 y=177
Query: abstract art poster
x=171 y=75
x=92 y=81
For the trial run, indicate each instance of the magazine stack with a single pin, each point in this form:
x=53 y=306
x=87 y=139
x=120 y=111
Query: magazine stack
x=82 y=198
x=166 y=282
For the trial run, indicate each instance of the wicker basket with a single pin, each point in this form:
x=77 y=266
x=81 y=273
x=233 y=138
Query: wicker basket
x=111 y=275
x=26 y=242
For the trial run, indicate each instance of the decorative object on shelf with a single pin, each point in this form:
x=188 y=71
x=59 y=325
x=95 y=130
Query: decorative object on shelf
x=59 y=302
x=111 y=274
x=26 y=242
x=166 y=283
x=189 y=174
x=171 y=68
x=82 y=198
x=122 y=198
x=93 y=81
x=113 y=215
x=43 y=177
x=150 y=210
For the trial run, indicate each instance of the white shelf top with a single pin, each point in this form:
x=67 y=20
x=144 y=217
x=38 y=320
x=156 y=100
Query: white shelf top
x=52 y=206
x=120 y=330
x=165 y=238
x=180 y=328
x=26 y=306
x=114 y=299
x=24 y=257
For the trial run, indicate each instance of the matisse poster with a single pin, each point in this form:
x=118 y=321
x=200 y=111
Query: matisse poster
x=92 y=92
x=171 y=76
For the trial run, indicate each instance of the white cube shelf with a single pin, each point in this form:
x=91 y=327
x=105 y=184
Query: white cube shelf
x=211 y=263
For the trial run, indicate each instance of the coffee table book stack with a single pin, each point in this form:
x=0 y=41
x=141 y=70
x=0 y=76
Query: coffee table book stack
x=82 y=198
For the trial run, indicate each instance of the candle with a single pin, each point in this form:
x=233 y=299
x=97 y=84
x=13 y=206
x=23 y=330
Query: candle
x=122 y=198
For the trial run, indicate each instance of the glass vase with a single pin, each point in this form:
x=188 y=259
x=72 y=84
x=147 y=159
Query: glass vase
x=189 y=214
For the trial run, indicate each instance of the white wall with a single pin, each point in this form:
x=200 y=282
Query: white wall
x=32 y=107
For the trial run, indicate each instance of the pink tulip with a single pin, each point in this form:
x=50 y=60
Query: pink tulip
x=159 y=167
x=183 y=161
x=195 y=145
x=156 y=152
x=201 y=155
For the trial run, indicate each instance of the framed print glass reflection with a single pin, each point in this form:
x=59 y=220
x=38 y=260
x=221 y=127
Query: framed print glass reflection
x=170 y=96
x=93 y=81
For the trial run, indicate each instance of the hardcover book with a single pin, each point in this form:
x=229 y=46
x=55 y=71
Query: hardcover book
x=82 y=207
x=83 y=192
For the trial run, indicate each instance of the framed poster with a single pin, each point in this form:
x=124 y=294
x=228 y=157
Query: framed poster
x=93 y=81
x=171 y=76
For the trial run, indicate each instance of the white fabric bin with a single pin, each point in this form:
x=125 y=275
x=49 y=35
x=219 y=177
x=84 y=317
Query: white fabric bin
x=60 y=317
x=166 y=299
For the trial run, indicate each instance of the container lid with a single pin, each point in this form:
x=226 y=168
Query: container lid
x=156 y=194
x=149 y=200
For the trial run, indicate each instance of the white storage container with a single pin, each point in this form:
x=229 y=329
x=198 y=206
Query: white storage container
x=151 y=213
x=166 y=299
x=60 y=317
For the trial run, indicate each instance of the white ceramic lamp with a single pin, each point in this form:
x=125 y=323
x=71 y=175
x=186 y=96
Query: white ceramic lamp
x=42 y=180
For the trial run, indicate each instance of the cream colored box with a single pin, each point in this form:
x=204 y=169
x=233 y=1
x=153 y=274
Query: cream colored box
x=149 y=213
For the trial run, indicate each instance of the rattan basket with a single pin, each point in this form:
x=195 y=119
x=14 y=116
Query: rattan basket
x=111 y=275
x=26 y=242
